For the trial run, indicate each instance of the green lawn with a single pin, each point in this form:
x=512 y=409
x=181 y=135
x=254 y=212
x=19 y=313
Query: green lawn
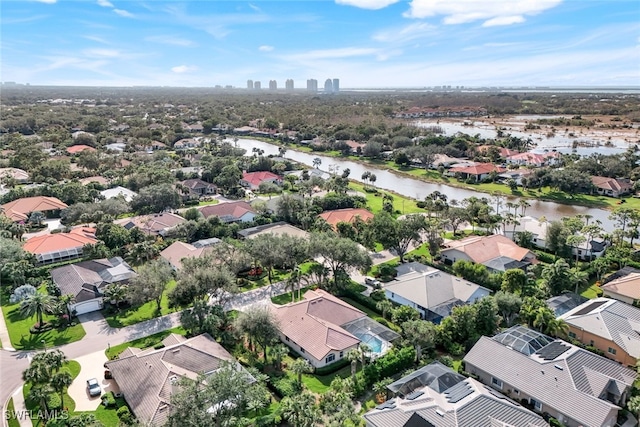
x=286 y=298
x=22 y=339
x=276 y=276
x=144 y=312
x=11 y=410
x=320 y=383
x=402 y=204
x=74 y=368
x=209 y=202
x=145 y=342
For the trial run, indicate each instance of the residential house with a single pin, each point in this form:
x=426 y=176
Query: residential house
x=199 y=188
x=239 y=211
x=86 y=280
x=625 y=289
x=345 y=215
x=569 y=383
x=515 y=174
x=355 y=147
x=534 y=159
x=20 y=209
x=502 y=151
x=147 y=378
x=594 y=248
x=52 y=248
x=192 y=128
x=564 y=302
x=157 y=145
x=178 y=251
x=608 y=325
x=613 y=187
x=276 y=228
x=432 y=292
x=322 y=328
x=252 y=180
x=100 y=180
x=496 y=252
x=119 y=191
x=20 y=176
x=186 y=143
x=477 y=172
x=436 y=396
x=75 y=149
x=152 y=224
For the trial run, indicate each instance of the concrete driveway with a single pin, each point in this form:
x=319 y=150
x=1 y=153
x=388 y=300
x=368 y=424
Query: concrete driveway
x=91 y=366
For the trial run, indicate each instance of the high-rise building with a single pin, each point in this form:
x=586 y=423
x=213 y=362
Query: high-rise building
x=250 y=84
x=328 y=86
x=273 y=85
x=336 y=85
x=312 y=85
x=289 y=85
x=257 y=85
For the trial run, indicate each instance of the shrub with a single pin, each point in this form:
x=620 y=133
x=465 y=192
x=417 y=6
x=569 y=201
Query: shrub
x=108 y=400
x=21 y=293
x=54 y=402
x=446 y=360
x=284 y=386
x=378 y=295
x=158 y=346
x=389 y=364
x=125 y=415
x=331 y=368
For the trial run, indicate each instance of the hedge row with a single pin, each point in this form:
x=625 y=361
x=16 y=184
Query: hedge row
x=388 y=365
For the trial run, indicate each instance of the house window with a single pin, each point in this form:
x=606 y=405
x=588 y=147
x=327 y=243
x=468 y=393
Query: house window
x=286 y=338
x=516 y=392
x=341 y=354
x=302 y=350
x=496 y=382
x=572 y=335
x=392 y=295
x=536 y=405
x=611 y=350
x=330 y=358
x=592 y=343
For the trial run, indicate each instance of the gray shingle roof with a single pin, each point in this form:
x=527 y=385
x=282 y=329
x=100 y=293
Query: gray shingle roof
x=145 y=377
x=477 y=406
x=610 y=319
x=563 y=383
x=84 y=280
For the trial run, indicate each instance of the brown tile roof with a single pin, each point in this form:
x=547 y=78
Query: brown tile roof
x=178 y=251
x=234 y=210
x=74 y=149
x=484 y=248
x=18 y=210
x=613 y=184
x=146 y=378
x=628 y=286
x=478 y=169
x=256 y=178
x=152 y=223
x=313 y=323
x=345 y=215
x=60 y=241
x=99 y=179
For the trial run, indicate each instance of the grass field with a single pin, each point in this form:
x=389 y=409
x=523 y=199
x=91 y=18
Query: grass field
x=22 y=339
x=403 y=204
x=145 y=342
x=146 y=311
x=11 y=410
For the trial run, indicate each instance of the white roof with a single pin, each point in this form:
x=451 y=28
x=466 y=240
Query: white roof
x=116 y=191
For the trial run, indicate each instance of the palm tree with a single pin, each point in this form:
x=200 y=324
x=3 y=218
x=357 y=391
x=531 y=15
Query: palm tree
x=557 y=328
x=41 y=395
x=364 y=350
x=301 y=366
x=293 y=282
x=384 y=306
x=60 y=382
x=116 y=292
x=353 y=356
x=523 y=204
x=36 y=218
x=300 y=410
x=64 y=301
x=279 y=351
x=37 y=304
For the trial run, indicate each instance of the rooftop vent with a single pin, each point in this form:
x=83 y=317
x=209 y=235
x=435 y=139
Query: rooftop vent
x=439 y=412
x=559 y=367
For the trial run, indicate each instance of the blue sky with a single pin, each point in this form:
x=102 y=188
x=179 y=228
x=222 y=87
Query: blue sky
x=364 y=43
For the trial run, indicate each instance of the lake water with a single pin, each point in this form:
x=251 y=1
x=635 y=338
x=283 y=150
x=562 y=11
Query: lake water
x=417 y=189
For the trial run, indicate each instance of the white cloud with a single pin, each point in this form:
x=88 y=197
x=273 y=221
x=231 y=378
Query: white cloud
x=181 y=69
x=102 y=53
x=492 y=12
x=170 y=40
x=410 y=32
x=96 y=39
x=367 y=4
x=47 y=1
x=265 y=48
x=105 y=3
x=346 y=52
x=124 y=13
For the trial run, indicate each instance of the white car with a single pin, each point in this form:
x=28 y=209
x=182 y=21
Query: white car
x=94 y=387
x=372 y=282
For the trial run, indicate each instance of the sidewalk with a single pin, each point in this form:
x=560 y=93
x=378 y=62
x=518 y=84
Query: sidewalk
x=4 y=334
x=21 y=408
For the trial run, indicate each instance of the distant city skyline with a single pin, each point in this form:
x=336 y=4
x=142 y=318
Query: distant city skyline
x=366 y=43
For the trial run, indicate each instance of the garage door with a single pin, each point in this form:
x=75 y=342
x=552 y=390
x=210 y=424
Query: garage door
x=88 y=306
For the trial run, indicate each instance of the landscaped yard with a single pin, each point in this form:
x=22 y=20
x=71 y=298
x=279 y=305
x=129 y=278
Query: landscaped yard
x=22 y=339
x=146 y=342
x=74 y=369
x=286 y=298
x=375 y=201
x=130 y=316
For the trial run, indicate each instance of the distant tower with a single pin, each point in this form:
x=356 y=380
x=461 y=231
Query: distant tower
x=328 y=86
x=289 y=85
x=257 y=85
x=250 y=84
x=312 y=85
x=273 y=85
x=336 y=85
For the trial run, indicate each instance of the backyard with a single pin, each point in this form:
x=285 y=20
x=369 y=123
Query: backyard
x=133 y=315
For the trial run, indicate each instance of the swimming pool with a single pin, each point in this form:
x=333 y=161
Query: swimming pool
x=372 y=341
